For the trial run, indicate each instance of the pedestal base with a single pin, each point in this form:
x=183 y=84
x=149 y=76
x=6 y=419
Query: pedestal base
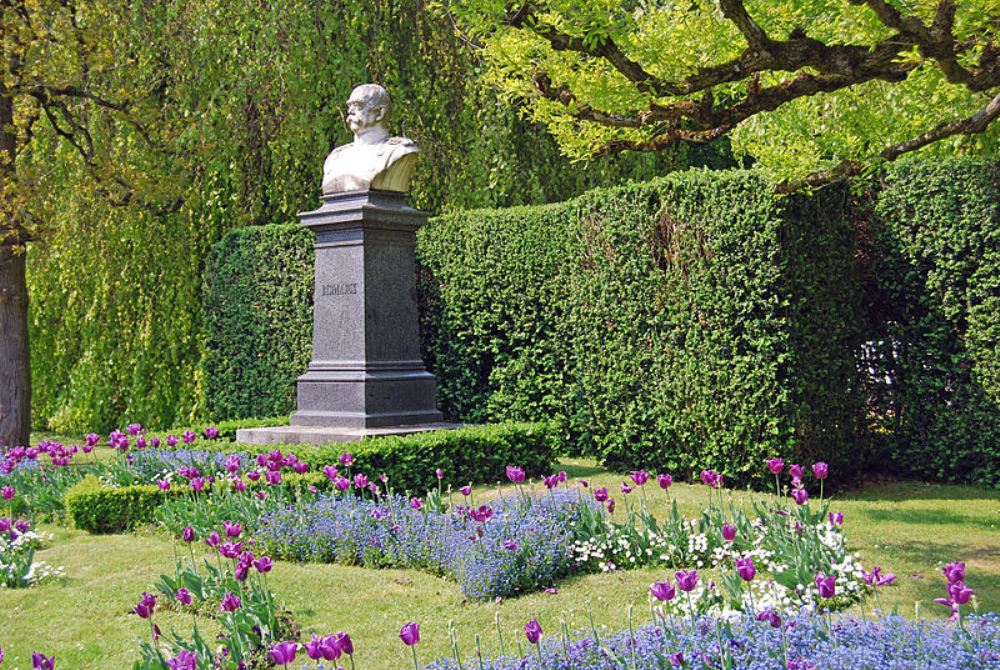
x=327 y=434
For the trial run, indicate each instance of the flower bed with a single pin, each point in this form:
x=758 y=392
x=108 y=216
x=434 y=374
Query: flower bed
x=802 y=643
x=511 y=546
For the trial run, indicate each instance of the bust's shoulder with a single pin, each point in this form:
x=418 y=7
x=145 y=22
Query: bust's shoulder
x=402 y=142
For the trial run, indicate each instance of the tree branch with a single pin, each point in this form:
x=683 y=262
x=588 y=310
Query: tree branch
x=970 y=125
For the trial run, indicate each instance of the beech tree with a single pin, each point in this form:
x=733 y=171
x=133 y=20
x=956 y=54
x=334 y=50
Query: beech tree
x=810 y=90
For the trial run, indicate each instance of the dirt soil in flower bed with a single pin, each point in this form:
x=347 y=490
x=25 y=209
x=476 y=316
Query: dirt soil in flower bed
x=85 y=620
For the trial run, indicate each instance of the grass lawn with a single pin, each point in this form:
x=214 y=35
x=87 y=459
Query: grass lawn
x=86 y=621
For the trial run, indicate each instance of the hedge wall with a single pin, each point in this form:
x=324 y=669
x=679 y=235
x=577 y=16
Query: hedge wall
x=258 y=326
x=690 y=322
x=933 y=255
x=699 y=321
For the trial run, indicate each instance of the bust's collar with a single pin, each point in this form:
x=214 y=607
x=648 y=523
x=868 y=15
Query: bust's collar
x=373 y=135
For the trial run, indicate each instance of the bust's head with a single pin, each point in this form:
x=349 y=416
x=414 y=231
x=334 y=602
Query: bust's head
x=368 y=107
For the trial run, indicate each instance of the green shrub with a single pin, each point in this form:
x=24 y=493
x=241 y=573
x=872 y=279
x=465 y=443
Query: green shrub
x=97 y=509
x=690 y=322
x=934 y=263
x=227 y=429
x=258 y=325
x=476 y=454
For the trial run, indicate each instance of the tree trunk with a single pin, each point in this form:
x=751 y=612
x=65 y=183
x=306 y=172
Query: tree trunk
x=15 y=363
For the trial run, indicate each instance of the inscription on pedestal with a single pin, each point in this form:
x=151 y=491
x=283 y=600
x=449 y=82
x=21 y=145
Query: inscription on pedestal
x=339 y=289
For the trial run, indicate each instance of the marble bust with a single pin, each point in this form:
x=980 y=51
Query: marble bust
x=374 y=160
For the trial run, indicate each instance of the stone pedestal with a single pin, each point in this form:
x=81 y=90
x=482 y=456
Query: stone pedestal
x=366 y=370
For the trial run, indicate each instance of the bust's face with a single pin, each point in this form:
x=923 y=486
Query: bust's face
x=362 y=113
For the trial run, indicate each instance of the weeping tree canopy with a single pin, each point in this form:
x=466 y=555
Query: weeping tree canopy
x=810 y=90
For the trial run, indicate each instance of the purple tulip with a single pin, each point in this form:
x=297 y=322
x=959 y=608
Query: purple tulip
x=686 y=581
x=21 y=526
x=960 y=593
x=283 y=653
x=7 y=492
x=677 y=659
x=134 y=429
x=410 y=633
x=483 y=514
x=611 y=505
x=955 y=572
x=345 y=644
x=183 y=596
x=330 y=472
x=231 y=549
x=827 y=585
x=185 y=660
x=273 y=477
x=820 y=470
x=664 y=481
x=801 y=496
x=1 y=654
x=533 y=631
x=663 y=590
x=466 y=491
x=145 y=607
x=263 y=564
x=140 y=443
x=439 y=473
x=188 y=534
x=92 y=439
x=551 y=481
x=710 y=478
x=601 y=494
x=876 y=578
x=771 y=617
x=360 y=481
x=416 y=503
x=300 y=467
x=796 y=471
x=775 y=465
x=164 y=484
x=836 y=518
x=626 y=489
x=746 y=569
x=728 y=532
x=510 y=545
x=640 y=477
x=197 y=484
x=231 y=603
x=41 y=662
x=172 y=440
x=318 y=649
x=211 y=432
x=188 y=437
x=213 y=540
x=233 y=529
x=346 y=460
x=515 y=474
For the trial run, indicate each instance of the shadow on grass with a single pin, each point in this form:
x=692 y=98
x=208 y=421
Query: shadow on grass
x=920 y=491
x=932 y=517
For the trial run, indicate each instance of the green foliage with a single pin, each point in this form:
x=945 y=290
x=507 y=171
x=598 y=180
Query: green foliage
x=472 y=454
x=934 y=261
x=98 y=509
x=691 y=322
x=258 y=328
x=605 y=76
x=237 y=109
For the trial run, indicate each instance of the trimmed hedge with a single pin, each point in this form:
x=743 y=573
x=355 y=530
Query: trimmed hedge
x=258 y=326
x=700 y=321
x=690 y=322
x=476 y=454
x=934 y=263
x=98 y=509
